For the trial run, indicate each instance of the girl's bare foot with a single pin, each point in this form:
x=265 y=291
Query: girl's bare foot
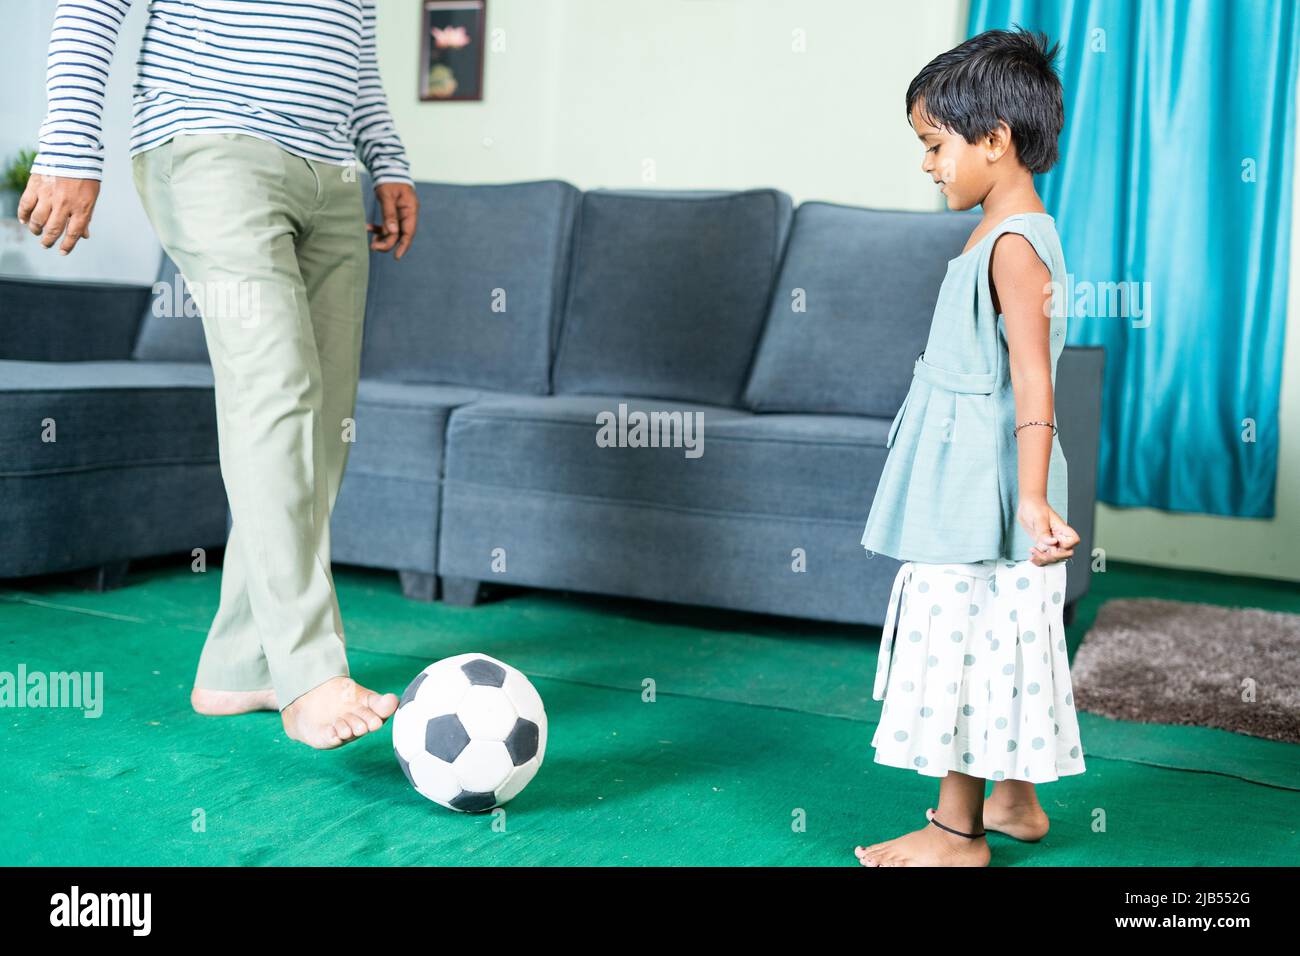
x=929 y=846
x=227 y=703
x=336 y=712
x=1018 y=814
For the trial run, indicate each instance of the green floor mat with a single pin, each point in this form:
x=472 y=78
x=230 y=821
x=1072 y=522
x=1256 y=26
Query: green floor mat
x=758 y=723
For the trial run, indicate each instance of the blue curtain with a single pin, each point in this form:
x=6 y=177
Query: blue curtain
x=1174 y=189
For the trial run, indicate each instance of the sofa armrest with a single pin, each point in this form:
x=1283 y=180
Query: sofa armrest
x=48 y=321
x=1078 y=418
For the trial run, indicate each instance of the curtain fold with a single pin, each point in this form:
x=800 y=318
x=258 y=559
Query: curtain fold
x=1173 y=198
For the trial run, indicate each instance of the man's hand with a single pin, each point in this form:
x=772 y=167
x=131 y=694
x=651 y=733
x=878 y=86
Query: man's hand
x=399 y=210
x=1055 y=540
x=53 y=206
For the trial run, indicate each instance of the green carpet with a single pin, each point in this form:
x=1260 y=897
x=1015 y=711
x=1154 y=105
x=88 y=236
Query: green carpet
x=758 y=722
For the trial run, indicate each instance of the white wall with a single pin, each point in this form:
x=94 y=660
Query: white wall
x=807 y=97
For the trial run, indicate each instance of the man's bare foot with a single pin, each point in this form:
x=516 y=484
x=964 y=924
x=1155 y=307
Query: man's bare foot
x=1018 y=820
x=336 y=712
x=929 y=846
x=227 y=703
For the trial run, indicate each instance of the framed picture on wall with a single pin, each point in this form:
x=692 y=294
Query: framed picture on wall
x=452 y=37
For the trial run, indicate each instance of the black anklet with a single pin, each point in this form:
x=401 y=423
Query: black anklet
x=969 y=836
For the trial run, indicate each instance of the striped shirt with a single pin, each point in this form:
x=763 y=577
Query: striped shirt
x=303 y=75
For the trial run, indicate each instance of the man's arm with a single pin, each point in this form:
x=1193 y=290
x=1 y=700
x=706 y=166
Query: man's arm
x=61 y=192
x=381 y=150
x=81 y=51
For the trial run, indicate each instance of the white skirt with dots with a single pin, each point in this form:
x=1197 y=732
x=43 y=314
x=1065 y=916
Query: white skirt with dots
x=974 y=674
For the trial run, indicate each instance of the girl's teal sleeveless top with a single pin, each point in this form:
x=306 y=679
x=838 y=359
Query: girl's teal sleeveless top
x=949 y=489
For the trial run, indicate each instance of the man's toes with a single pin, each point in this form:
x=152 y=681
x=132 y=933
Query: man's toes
x=372 y=720
x=384 y=705
x=357 y=724
x=342 y=729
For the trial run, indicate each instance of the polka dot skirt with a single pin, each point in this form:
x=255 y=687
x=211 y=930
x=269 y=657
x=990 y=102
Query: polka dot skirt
x=977 y=679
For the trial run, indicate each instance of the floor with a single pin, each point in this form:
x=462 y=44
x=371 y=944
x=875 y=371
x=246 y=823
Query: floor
x=755 y=750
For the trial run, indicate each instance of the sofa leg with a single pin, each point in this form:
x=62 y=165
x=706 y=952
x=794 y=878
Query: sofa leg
x=1067 y=613
x=104 y=577
x=418 y=586
x=460 y=592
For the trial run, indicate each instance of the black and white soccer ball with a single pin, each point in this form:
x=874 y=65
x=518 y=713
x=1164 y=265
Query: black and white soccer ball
x=470 y=732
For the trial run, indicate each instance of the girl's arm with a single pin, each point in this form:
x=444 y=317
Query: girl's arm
x=1022 y=293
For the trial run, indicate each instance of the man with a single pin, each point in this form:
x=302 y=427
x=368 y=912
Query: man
x=248 y=117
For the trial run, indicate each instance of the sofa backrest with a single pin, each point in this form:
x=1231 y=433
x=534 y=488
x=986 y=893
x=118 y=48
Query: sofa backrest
x=668 y=292
x=171 y=330
x=852 y=308
x=476 y=299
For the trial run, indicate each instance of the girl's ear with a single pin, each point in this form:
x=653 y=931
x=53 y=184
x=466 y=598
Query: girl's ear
x=998 y=141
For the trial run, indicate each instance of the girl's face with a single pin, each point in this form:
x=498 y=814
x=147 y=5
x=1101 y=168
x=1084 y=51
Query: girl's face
x=962 y=171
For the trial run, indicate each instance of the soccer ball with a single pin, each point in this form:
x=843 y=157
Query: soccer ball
x=469 y=732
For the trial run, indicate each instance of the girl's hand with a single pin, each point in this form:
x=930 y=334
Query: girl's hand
x=1055 y=539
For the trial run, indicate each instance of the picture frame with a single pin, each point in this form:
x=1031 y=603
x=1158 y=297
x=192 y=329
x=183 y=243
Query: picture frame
x=453 y=34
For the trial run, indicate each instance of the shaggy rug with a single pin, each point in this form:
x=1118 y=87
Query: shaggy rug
x=1173 y=662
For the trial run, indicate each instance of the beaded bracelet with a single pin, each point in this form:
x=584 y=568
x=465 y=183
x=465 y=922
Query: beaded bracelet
x=1022 y=425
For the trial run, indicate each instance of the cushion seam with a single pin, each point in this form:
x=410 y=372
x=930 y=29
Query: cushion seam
x=740 y=439
x=452 y=484
x=107 y=465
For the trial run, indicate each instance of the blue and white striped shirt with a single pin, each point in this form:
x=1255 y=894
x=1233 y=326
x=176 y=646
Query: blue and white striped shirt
x=303 y=75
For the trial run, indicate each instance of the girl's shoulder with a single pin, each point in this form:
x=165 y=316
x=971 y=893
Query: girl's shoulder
x=1026 y=223
x=1039 y=228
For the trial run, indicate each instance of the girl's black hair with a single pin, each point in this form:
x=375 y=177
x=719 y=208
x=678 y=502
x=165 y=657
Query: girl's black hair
x=1002 y=75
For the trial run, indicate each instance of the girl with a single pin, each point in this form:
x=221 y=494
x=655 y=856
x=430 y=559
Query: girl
x=973 y=494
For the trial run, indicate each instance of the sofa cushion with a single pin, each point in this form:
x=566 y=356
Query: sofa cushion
x=48 y=320
x=401 y=428
x=668 y=292
x=172 y=329
x=389 y=507
x=476 y=299
x=852 y=308
x=105 y=414
x=784 y=465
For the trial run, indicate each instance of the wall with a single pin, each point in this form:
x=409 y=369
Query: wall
x=706 y=93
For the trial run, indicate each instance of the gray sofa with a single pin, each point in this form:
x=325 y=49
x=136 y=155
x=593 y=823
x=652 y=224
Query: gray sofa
x=524 y=316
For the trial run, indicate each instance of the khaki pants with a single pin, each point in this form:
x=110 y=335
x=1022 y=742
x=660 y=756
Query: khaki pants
x=274 y=250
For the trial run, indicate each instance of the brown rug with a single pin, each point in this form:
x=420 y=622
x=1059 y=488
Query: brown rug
x=1171 y=662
